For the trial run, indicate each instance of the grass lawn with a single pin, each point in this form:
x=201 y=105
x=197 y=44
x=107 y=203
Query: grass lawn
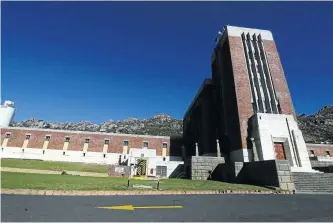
x=51 y=165
x=67 y=182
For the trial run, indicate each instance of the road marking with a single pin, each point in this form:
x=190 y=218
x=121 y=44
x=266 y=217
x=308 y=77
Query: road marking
x=132 y=208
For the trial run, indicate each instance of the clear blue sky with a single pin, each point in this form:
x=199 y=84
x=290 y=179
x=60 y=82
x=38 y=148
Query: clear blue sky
x=72 y=61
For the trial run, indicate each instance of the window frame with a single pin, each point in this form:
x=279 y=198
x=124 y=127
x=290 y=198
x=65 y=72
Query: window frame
x=8 y=135
x=327 y=153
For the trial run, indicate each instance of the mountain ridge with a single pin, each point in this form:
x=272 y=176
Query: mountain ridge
x=316 y=128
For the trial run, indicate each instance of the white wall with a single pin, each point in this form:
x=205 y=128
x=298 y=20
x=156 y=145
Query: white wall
x=152 y=160
x=57 y=155
x=267 y=127
x=325 y=158
x=94 y=157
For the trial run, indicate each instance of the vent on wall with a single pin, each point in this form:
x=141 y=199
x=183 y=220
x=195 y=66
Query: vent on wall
x=264 y=98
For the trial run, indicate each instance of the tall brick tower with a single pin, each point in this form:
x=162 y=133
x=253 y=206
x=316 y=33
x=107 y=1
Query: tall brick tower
x=254 y=111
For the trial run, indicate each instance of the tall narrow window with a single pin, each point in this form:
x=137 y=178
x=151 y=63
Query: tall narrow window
x=47 y=138
x=165 y=145
x=125 y=143
x=145 y=144
x=27 y=137
x=106 y=142
x=67 y=139
x=87 y=140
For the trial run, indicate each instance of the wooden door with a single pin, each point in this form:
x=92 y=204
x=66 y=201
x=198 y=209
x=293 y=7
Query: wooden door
x=279 y=151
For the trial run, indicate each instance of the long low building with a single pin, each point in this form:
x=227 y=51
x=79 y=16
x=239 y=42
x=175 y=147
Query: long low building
x=153 y=152
x=107 y=148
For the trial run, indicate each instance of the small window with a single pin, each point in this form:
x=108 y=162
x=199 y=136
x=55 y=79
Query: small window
x=43 y=151
x=22 y=150
x=47 y=138
x=27 y=137
x=7 y=135
x=145 y=144
x=67 y=139
x=63 y=153
x=125 y=143
x=328 y=153
x=104 y=155
x=165 y=145
x=124 y=157
x=106 y=141
x=161 y=171
x=84 y=154
x=86 y=140
x=163 y=158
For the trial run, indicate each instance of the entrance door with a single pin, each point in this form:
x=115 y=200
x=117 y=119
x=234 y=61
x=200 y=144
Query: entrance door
x=141 y=167
x=279 y=151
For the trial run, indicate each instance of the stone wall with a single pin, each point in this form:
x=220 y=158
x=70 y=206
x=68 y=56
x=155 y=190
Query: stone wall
x=268 y=173
x=284 y=175
x=202 y=167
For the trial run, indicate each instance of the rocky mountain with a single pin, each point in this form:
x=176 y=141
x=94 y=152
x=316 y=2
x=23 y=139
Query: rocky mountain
x=316 y=128
x=161 y=124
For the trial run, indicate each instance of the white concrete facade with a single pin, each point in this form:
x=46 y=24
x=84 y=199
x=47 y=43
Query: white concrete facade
x=325 y=158
x=171 y=163
x=238 y=31
x=268 y=129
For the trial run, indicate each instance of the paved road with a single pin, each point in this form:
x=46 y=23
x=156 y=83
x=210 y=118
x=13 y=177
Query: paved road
x=195 y=208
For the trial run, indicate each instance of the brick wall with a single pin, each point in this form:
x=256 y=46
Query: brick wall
x=278 y=78
x=242 y=85
x=77 y=140
x=320 y=149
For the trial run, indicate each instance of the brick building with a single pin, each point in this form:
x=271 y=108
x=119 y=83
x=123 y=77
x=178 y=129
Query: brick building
x=92 y=147
x=244 y=112
x=241 y=124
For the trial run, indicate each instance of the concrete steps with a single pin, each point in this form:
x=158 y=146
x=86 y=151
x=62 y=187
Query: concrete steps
x=313 y=182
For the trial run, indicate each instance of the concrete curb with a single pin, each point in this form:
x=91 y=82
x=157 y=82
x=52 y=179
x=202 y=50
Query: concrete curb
x=137 y=192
